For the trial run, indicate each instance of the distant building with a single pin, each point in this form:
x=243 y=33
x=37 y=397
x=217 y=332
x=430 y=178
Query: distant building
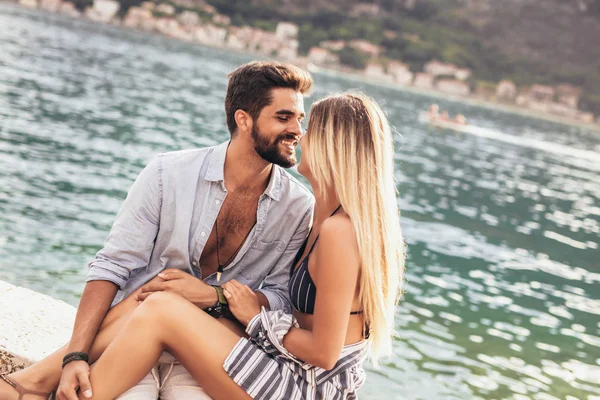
x=103 y=10
x=139 y=18
x=320 y=56
x=400 y=72
x=453 y=86
x=568 y=95
x=484 y=91
x=286 y=30
x=366 y=47
x=438 y=68
x=375 y=70
x=423 y=80
x=238 y=38
x=410 y=4
x=148 y=5
x=288 y=49
x=188 y=19
x=506 y=90
x=165 y=9
x=50 y=5
x=235 y=39
x=388 y=34
x=221 y=19
x=265 y=43
x=288 y=53
x=365 y=9
x=29 y=3
x=168 y=27
x=69 y=9
x=586 y=117
x=187 y=3
x=462 y=73
x=210 y=35
x=207 y=8
x=559 y=109
x=334 y=45
x=541 y=93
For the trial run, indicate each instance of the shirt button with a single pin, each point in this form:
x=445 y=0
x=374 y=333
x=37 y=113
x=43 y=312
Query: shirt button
x=203 y=234
x=194 y=263
x=218 y=202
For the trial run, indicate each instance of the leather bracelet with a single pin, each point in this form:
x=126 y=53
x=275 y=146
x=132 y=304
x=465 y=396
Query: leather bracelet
x=75 y=356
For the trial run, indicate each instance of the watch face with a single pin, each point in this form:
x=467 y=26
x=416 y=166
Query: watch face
x=215 y=311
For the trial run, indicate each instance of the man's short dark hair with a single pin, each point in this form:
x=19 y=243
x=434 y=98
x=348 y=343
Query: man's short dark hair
x=250 y=86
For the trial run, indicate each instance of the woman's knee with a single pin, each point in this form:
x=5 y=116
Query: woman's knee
x=158 y=303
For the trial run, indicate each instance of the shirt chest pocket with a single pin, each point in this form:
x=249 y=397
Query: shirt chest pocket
x=275 y=245
x=261 y=258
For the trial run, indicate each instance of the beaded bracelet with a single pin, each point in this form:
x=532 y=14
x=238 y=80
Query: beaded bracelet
x=75 y=356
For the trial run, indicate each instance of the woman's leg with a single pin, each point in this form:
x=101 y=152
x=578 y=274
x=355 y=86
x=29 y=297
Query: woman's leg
x=44 y=375
x=167 y=322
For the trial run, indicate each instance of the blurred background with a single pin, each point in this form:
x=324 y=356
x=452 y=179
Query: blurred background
x=502 y=216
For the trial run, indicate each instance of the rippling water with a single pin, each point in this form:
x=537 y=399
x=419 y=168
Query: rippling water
x=502 y=299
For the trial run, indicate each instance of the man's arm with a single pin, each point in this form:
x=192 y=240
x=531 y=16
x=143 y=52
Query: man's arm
x=274 y=291
x=131 y=240
x=93 y=306
x=128 y=246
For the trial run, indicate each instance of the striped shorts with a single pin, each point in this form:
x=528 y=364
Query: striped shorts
x=266 y=370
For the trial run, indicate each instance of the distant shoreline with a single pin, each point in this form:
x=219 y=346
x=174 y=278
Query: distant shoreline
x=491 y=105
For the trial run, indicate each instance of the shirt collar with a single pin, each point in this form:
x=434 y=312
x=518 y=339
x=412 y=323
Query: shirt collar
x=216 y=163
x=216 y=167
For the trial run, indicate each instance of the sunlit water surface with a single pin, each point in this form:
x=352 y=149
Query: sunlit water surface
x=502 y=298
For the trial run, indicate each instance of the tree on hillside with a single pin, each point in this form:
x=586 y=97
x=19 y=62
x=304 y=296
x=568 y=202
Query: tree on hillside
x=353 y=58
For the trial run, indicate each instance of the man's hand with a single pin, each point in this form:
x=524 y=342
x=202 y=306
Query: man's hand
x=76 y=374
x=243 y=302
x=176 y=281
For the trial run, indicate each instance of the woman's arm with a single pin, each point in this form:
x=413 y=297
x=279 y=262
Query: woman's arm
x=336 y=278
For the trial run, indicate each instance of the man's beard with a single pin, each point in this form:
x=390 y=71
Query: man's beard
x=271 y=152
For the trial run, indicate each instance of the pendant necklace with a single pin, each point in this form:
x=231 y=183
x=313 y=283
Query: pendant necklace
x=221 y=266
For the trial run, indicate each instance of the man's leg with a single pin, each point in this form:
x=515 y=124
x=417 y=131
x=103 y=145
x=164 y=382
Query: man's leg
x=45 y=374
x=176 y=383
x=146 y=389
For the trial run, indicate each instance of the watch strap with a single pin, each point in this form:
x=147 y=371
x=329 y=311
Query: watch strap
x=220 y=296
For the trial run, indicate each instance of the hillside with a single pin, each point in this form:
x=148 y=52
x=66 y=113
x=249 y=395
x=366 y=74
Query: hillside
x=528 y=41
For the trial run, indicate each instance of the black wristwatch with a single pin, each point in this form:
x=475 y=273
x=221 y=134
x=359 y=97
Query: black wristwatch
x=220 y=308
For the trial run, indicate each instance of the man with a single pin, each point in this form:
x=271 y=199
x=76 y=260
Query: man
x=202 y=217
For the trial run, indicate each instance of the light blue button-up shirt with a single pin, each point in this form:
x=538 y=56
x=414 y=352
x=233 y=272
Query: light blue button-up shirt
x=168 y=216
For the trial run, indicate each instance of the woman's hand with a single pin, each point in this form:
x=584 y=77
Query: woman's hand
x=243 y=302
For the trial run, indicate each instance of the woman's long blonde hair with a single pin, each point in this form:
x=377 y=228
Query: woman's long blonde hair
x=352 y=150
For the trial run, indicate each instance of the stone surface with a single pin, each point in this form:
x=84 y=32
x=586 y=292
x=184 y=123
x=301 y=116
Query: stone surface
x=32 y=325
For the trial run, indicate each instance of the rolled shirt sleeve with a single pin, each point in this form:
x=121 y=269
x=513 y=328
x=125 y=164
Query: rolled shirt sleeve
x=275 y=285
x=130 y=242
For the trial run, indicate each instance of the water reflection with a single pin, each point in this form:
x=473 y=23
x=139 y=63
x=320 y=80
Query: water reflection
x=501 y=299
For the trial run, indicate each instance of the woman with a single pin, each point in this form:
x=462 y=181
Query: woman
x=353 y=255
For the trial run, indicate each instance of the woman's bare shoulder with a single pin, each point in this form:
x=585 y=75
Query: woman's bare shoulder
x=338 y=235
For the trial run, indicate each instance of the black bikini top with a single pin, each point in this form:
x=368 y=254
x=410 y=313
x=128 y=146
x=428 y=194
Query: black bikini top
x=303 y=291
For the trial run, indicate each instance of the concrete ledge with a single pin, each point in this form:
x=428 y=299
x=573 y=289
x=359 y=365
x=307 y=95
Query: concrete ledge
x=32 y=325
